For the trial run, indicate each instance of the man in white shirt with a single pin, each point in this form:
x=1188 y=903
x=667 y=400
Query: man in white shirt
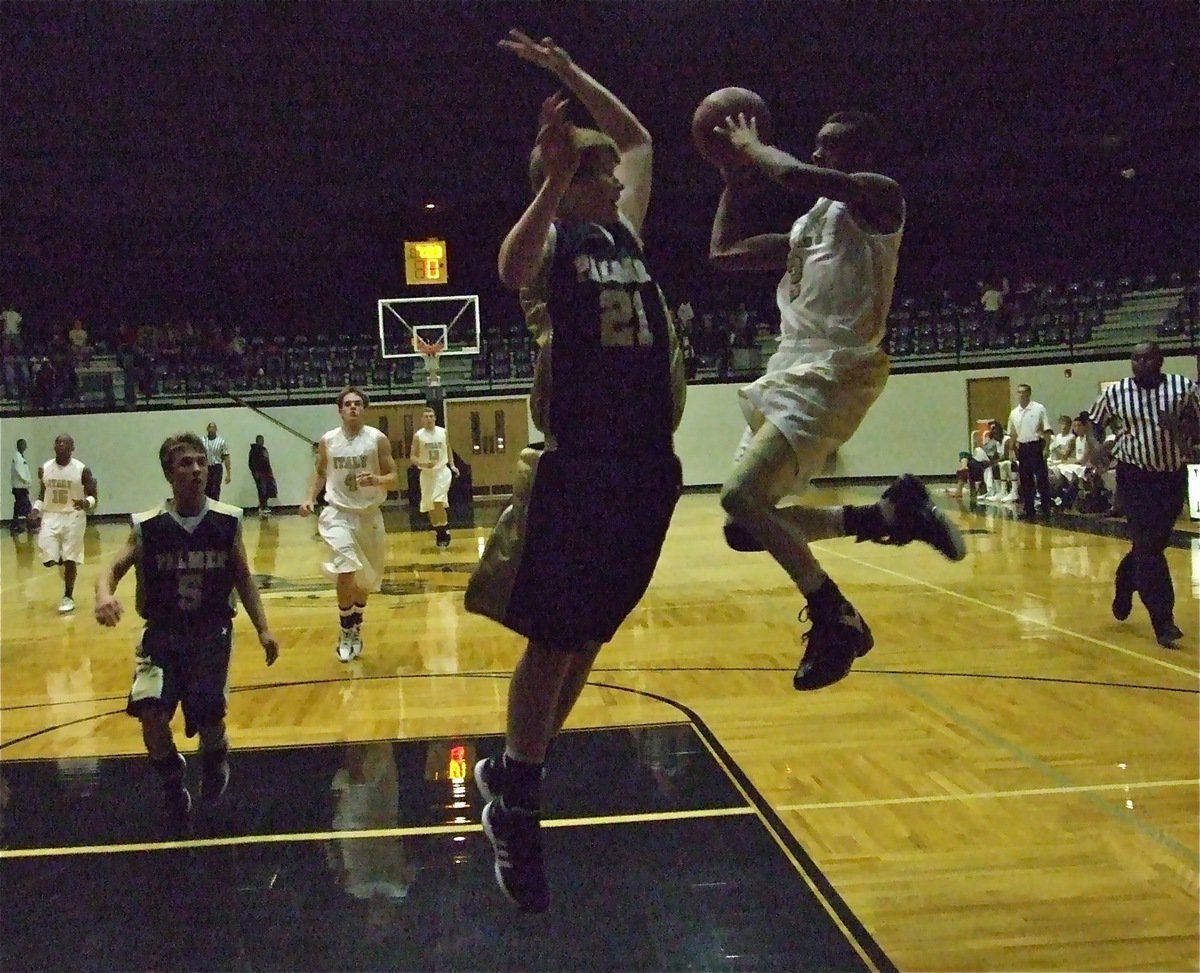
x=20 y=479
x=1028 y=426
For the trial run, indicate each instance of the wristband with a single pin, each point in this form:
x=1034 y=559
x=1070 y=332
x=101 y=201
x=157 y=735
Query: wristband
x=91 y=502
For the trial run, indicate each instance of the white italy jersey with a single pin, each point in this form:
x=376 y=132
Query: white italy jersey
x=64 y=484
x=432 y=447
x=346 y=458
x=837 y=288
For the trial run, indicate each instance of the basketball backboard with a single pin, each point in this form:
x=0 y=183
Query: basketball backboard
x=452 y=322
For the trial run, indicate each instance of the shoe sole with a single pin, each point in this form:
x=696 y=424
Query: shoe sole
x=958 y=547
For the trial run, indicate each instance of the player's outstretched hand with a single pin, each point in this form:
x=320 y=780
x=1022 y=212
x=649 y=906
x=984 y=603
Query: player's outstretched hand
x=108 y=610
x=270 y=646
x=305 y=508
x=560 y=155
x=545 y=54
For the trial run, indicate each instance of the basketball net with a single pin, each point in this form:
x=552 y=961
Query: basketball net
x=430 y=353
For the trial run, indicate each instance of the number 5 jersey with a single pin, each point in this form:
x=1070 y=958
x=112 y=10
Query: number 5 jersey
x=185 y=575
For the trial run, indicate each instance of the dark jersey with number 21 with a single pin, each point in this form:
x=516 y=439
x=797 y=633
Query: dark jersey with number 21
x=609 y=386
x=185 y=566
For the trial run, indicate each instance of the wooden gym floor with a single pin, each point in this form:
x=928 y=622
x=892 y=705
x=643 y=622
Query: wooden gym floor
x=1008 y=781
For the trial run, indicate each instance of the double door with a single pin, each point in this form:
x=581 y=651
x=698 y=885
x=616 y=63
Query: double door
x=487 y=434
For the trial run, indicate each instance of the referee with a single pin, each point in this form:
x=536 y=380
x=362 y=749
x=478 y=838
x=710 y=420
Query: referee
x=217 y=453
x=1159 y=423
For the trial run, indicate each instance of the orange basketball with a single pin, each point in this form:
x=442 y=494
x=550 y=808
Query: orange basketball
x=712 y=112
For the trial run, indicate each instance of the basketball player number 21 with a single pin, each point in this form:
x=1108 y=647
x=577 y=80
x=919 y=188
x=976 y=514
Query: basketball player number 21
x=617 y=310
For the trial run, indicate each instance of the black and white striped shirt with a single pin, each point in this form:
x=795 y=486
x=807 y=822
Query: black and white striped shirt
x=216 y=450
x=1156 y=424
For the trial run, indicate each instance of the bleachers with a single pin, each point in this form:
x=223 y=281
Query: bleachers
x=1051 y=323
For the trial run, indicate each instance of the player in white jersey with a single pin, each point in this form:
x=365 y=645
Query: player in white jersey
x=356 y=470
x=839 y=262
x=67 y=491
x=432 y=456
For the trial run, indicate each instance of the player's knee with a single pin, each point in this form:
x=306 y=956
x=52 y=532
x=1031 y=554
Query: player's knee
x=739 y=500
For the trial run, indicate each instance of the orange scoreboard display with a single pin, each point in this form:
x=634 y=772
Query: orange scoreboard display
x=425 y=262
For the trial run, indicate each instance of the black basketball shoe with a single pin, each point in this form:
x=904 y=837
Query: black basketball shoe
x=1168 y=634
x=838 y=636
x=214 y=774
x=917 y=519
x=516 y=837
x=1122 y=603
x=489 y=777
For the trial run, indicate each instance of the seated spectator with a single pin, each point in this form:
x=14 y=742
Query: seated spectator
x=1061 y=452
x=1092 y=475
x=1003 y=488
x=976 y=469
x=77 y=338
x=969 y=475
x=12 y=327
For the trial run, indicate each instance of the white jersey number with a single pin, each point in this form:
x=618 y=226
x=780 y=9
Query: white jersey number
x=618 y=310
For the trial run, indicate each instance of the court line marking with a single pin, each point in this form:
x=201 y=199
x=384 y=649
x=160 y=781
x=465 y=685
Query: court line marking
x=1162 y=663
x=465 y=827
x=988 y=795
x=1035 y=763
x=780 y=833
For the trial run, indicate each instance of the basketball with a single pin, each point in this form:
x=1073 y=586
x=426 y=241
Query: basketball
x=712 y=112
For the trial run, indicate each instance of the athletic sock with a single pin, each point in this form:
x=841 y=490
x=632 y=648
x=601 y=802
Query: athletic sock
x=522 y=784
x=346 y=617
x=866 y=523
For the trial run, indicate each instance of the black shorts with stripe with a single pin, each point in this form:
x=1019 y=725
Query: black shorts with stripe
x=593 y=534
x=180 y=666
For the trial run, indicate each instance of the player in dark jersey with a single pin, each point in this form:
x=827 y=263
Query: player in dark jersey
x=189 y=559
x=554 y=569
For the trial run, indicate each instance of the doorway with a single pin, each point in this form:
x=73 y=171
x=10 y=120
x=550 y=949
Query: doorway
x=987 y=398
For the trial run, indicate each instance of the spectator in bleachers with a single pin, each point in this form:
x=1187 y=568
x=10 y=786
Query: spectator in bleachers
x=991 y=299
x=45 y=383
x=12 y=327
x=77 y=338
x=685 y=315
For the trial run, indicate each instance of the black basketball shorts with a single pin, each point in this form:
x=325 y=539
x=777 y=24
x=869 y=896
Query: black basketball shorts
x=587 y=539
x=183 y=667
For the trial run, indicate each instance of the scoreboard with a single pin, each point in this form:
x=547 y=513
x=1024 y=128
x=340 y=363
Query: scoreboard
x=425 y=262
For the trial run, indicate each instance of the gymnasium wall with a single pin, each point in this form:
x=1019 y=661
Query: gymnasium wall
x=918 y=425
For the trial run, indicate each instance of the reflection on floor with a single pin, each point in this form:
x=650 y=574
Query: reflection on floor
x=369 y=856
